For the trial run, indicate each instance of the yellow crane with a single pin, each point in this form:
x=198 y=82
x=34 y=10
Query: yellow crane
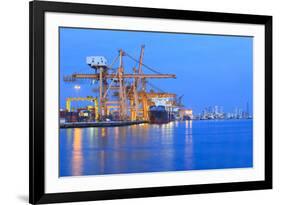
x=88 y=98
x=136 y=96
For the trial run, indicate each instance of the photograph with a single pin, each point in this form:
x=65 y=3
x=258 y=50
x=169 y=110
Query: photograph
x=134 y=101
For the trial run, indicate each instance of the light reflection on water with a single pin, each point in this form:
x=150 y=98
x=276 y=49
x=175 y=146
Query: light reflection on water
x=173 y=146
x=188 y=144
x=77 y=154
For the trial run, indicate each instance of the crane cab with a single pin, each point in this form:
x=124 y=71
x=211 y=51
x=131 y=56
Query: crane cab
x=96 y=61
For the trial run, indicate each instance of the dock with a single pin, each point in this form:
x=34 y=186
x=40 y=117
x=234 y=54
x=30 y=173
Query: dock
x=119 y=95
x=101 y=124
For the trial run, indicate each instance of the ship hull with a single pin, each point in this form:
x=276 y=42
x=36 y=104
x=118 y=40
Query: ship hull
x=159 y=117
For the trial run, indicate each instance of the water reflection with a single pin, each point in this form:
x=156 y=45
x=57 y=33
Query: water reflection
x=103 y=131
x=188 y=144
x=77 y=158
x=185 y=145
x=188 y=131
x=102 y=161
x=91 y=134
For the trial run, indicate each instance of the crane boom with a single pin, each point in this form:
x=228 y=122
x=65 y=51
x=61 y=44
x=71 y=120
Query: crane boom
x=96 y=76
x=133 y=90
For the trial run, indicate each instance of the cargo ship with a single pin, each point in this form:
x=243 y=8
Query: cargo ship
x=158 y=114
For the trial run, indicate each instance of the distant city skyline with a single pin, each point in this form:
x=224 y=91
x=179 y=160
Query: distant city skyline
x=217 y=112
x=210 y=69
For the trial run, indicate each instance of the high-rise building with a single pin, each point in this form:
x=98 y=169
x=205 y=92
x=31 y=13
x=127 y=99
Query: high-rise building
x=236 y=112
x=247 y=110
x=216 y=109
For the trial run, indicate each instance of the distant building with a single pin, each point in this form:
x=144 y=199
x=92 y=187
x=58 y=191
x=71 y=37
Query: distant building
x=216 y=110
x=216 y=113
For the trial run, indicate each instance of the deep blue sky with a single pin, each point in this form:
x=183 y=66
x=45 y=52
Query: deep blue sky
x=210 y=69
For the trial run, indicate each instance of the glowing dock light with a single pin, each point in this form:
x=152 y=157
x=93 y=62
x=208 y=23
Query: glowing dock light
x=77 y=87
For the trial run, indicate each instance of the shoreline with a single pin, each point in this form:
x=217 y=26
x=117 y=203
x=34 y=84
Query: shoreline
x=100 y=124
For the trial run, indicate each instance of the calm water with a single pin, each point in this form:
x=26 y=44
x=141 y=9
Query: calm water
x=192 y=145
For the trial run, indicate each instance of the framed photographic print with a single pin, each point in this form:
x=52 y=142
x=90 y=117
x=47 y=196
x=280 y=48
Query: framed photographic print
x=139 y=102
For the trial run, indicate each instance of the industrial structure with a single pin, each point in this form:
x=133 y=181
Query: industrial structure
x=133 y=98
x=88 y=98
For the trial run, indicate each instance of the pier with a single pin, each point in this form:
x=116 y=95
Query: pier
x=100 y=124
x=120 y=98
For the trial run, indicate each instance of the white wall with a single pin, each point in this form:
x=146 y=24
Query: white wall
x=14 y=98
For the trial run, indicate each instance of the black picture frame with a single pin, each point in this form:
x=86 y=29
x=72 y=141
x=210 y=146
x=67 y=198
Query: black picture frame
x=37 y=10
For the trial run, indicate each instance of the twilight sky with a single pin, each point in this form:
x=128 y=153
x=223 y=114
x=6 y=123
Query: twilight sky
x=210 y=69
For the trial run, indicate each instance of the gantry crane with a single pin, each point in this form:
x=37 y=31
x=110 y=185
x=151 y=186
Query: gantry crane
x=88 y=98
x=137 y=96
